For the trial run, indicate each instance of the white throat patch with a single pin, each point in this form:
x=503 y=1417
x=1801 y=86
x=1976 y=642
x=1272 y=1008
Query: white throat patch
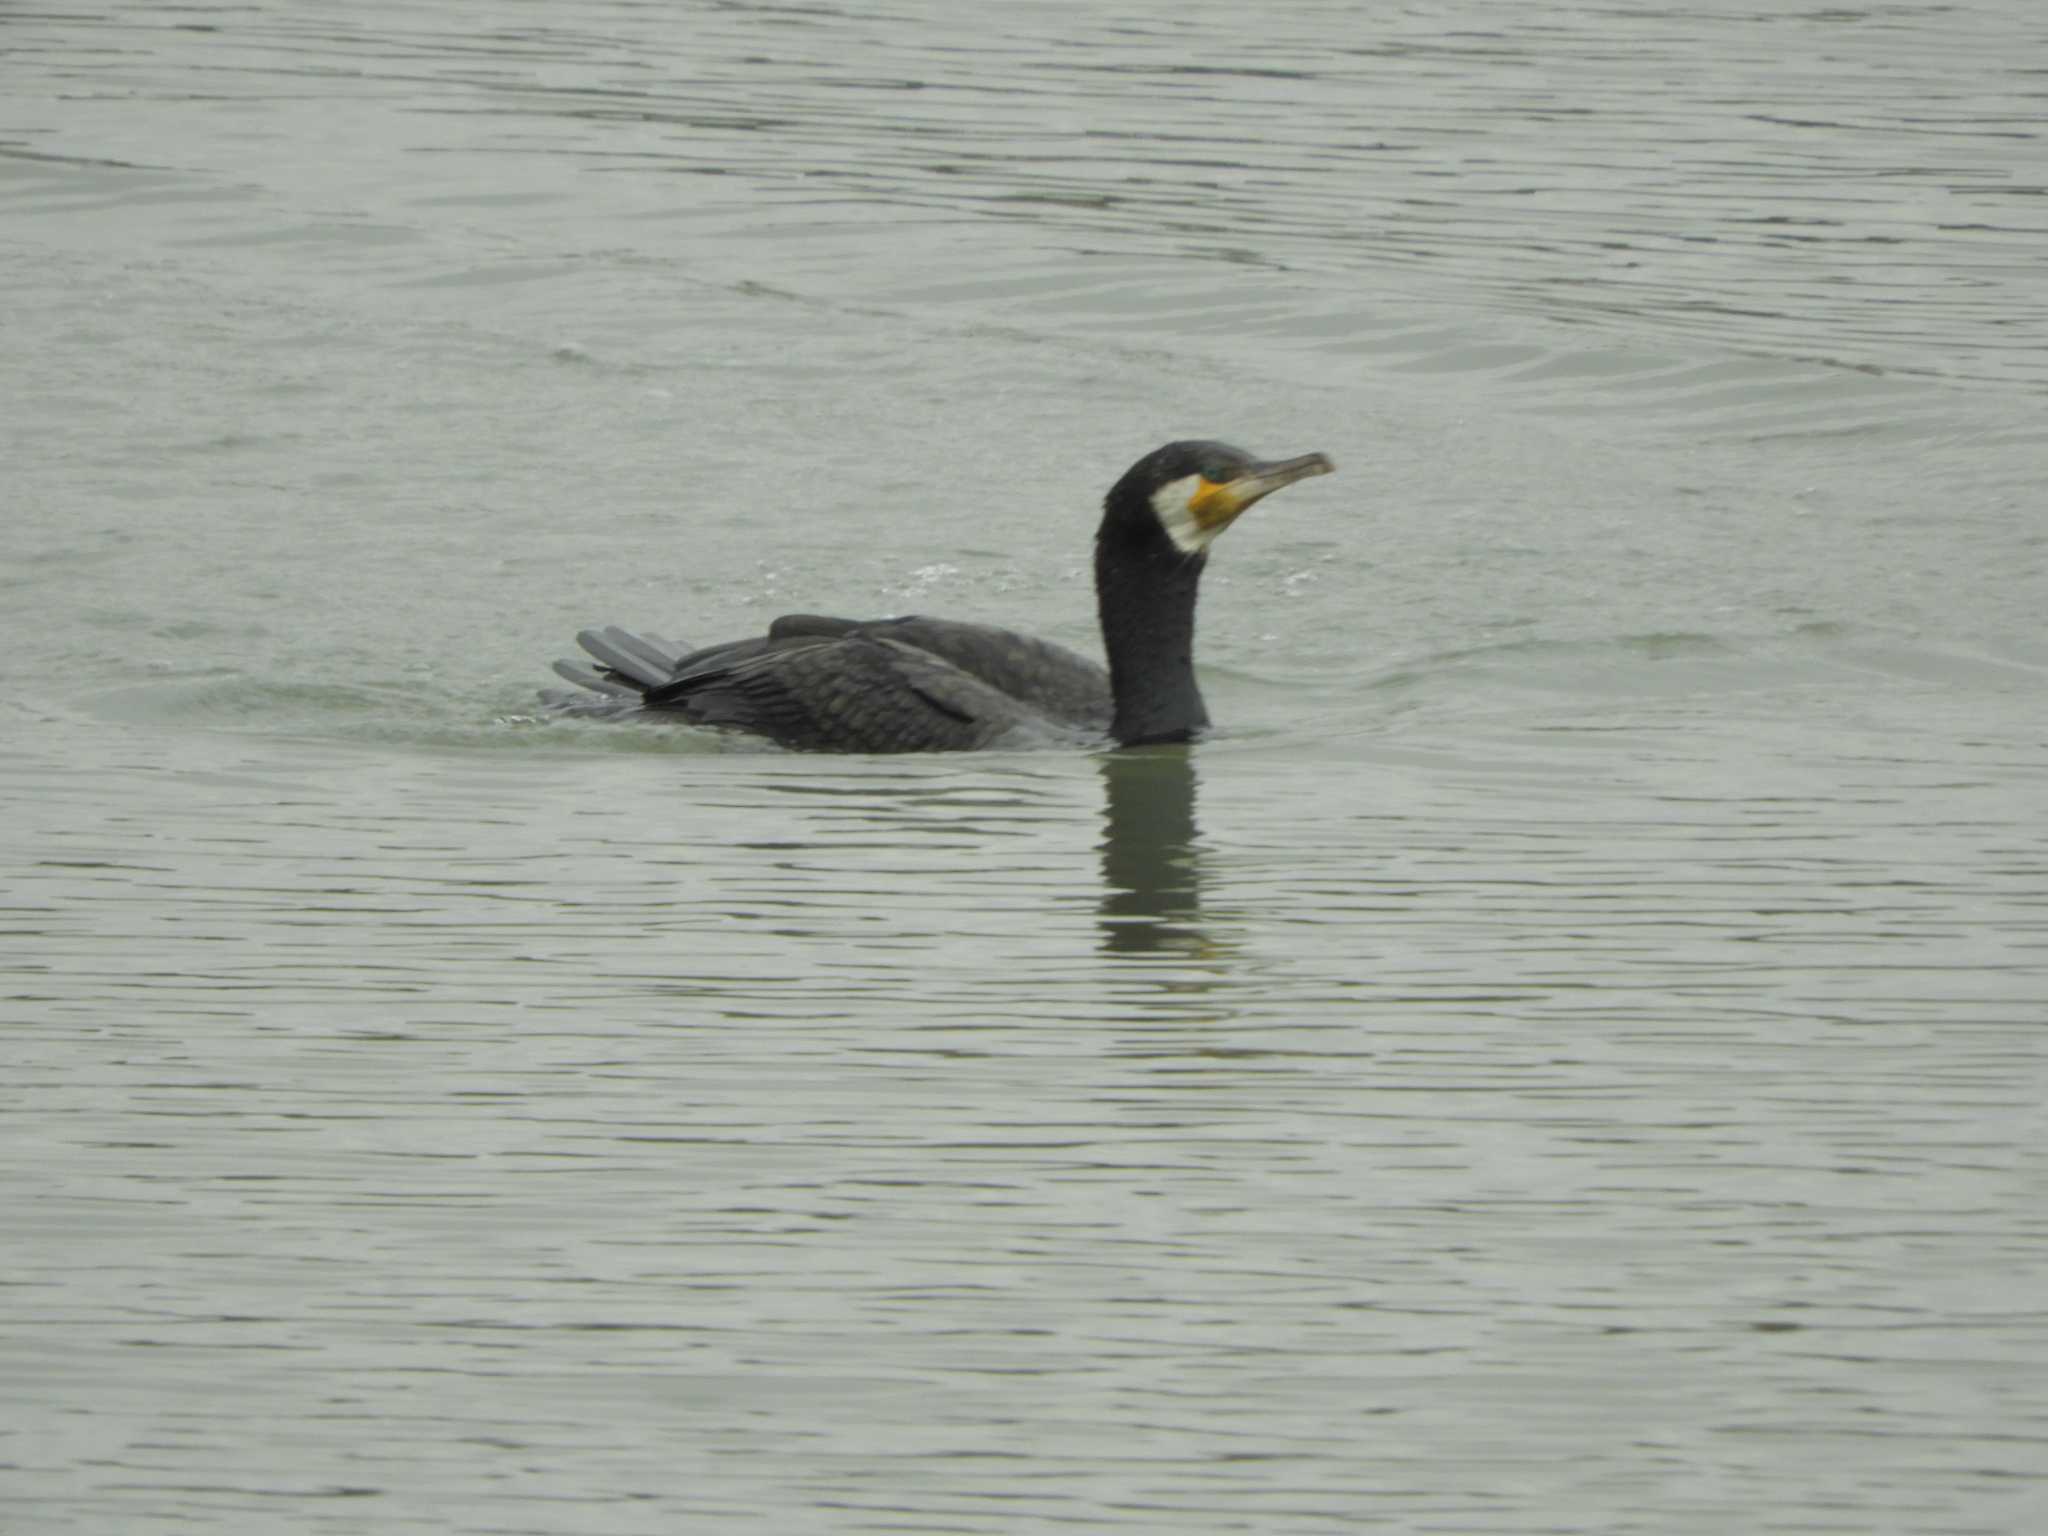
x=1170 y=504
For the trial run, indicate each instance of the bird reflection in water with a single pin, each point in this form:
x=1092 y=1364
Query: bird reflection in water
x=1151 y=872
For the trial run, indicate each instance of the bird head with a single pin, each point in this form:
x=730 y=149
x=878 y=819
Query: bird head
x=1191 y=491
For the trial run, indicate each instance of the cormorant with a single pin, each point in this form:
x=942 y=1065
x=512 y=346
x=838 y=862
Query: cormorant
x=939 y=685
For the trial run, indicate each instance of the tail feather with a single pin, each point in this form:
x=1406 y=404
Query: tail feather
x=652 y=649
x=627 y=655
x=621 y=668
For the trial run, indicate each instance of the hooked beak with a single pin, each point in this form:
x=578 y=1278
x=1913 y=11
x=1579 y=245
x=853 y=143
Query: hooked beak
x=1217 y=504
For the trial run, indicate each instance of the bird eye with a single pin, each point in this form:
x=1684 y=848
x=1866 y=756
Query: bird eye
x=1217 y=472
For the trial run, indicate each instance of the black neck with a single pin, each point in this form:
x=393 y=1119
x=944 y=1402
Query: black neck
x=1146 y=596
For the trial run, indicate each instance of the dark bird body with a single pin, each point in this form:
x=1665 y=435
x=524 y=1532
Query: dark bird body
x=939 y=685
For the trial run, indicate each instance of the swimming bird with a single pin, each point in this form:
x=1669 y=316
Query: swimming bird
x=941 y=685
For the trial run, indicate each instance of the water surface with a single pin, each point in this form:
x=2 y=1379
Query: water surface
x=1567 y=1055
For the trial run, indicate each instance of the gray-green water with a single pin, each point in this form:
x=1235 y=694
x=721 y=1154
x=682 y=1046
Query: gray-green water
x=1568 y=1055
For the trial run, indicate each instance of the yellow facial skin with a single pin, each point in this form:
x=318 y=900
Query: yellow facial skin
x=1214 y=504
